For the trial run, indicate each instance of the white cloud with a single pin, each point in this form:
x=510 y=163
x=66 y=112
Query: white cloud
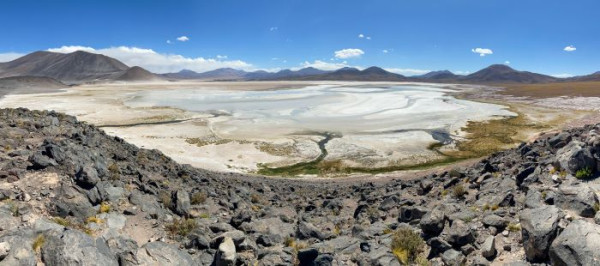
x=385 y=51
x=348 y=53
x=361 y=36
x=482 y=51
x=507 y=62
x=273 y=28
x=570 y=48
x=157 y=62
x=563 y=75
x=368 y=37
x=168 y=41
x=460 y=72
x=408 y=71
x=183 y=38
x=323 y=65
x=72 y=48
x=6 y=57
x=221 y=56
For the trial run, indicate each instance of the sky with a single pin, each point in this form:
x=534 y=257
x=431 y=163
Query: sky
x=409 y=37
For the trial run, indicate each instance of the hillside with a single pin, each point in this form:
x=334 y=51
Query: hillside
x=505 y=74
x=353 y=74
x=69 y=193
x=76 y=67
x=72 y=67
x=138 y=74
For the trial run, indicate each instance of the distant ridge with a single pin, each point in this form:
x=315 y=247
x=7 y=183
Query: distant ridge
x=353 y=74
x=137 y=73
x=438 y=75
x=505 y=74
x=30 y=82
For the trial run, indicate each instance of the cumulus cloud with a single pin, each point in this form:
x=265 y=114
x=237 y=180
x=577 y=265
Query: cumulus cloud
x=408 y=71
x=157 y=62
x=273 y=28
x=221 y=56
x=563 y=75
x=6 y=57
x=362 y=36
x=482 y=51
x=385 y=51
x=168 y=41
x=570 y=48
x=348 y=53
x=72 y=48
x=507 y=62
x=323 y=65
x=183 y=38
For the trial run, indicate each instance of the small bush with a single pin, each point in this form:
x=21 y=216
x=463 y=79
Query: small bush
x=454 y=173
x=198 y=198
x=182 y=227
x=165 y=198
x=93 y=219
x=407 y=245
x=458 y=191
x=583 y=173
x=38 y=242
x=104 y=207
x=14 y=209
x=62 y=221
x=255 y=198
x=114 y=172
x=513 y=227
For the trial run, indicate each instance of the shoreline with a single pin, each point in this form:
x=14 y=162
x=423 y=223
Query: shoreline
x=148 y=117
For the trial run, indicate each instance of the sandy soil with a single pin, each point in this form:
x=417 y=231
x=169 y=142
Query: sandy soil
x=188 y=137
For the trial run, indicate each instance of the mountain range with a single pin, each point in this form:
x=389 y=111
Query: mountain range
x=82 y=67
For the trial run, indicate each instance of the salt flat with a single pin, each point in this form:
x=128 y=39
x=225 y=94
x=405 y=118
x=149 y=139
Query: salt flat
x=238 y=126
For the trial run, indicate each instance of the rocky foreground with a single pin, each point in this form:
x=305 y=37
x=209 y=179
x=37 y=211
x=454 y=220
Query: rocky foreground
x=72 y=195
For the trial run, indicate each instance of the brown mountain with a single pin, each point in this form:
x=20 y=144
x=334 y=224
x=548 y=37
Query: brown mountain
x=353 y=74
x=590 y=77
x=137 y=73
x=73 y=67
x=505 y=74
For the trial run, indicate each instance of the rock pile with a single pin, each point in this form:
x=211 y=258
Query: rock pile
x=72 y=195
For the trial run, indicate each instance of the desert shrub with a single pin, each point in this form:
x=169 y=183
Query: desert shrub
x=38 y=242
x=407 y=245
x=513 y=227
x=454 y=173
x=458 y=191
x=198 y=198
x=104 y=207
x=165 y=198
x=583 y=173
x=181 y=227
x=114 y=172
x=255 y=198
x=93 y=219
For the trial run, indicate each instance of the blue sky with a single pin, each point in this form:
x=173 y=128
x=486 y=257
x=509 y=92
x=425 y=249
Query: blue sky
x=408 y=37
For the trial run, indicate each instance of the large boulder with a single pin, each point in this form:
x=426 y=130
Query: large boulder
x=432 y=222
x=73 y=247
x=460 y=234
x=182 y=202
x=575 y=157
x=578 y=198
x=578 y=244
x=539 y=228
x=161 y=253
x=226 y=255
